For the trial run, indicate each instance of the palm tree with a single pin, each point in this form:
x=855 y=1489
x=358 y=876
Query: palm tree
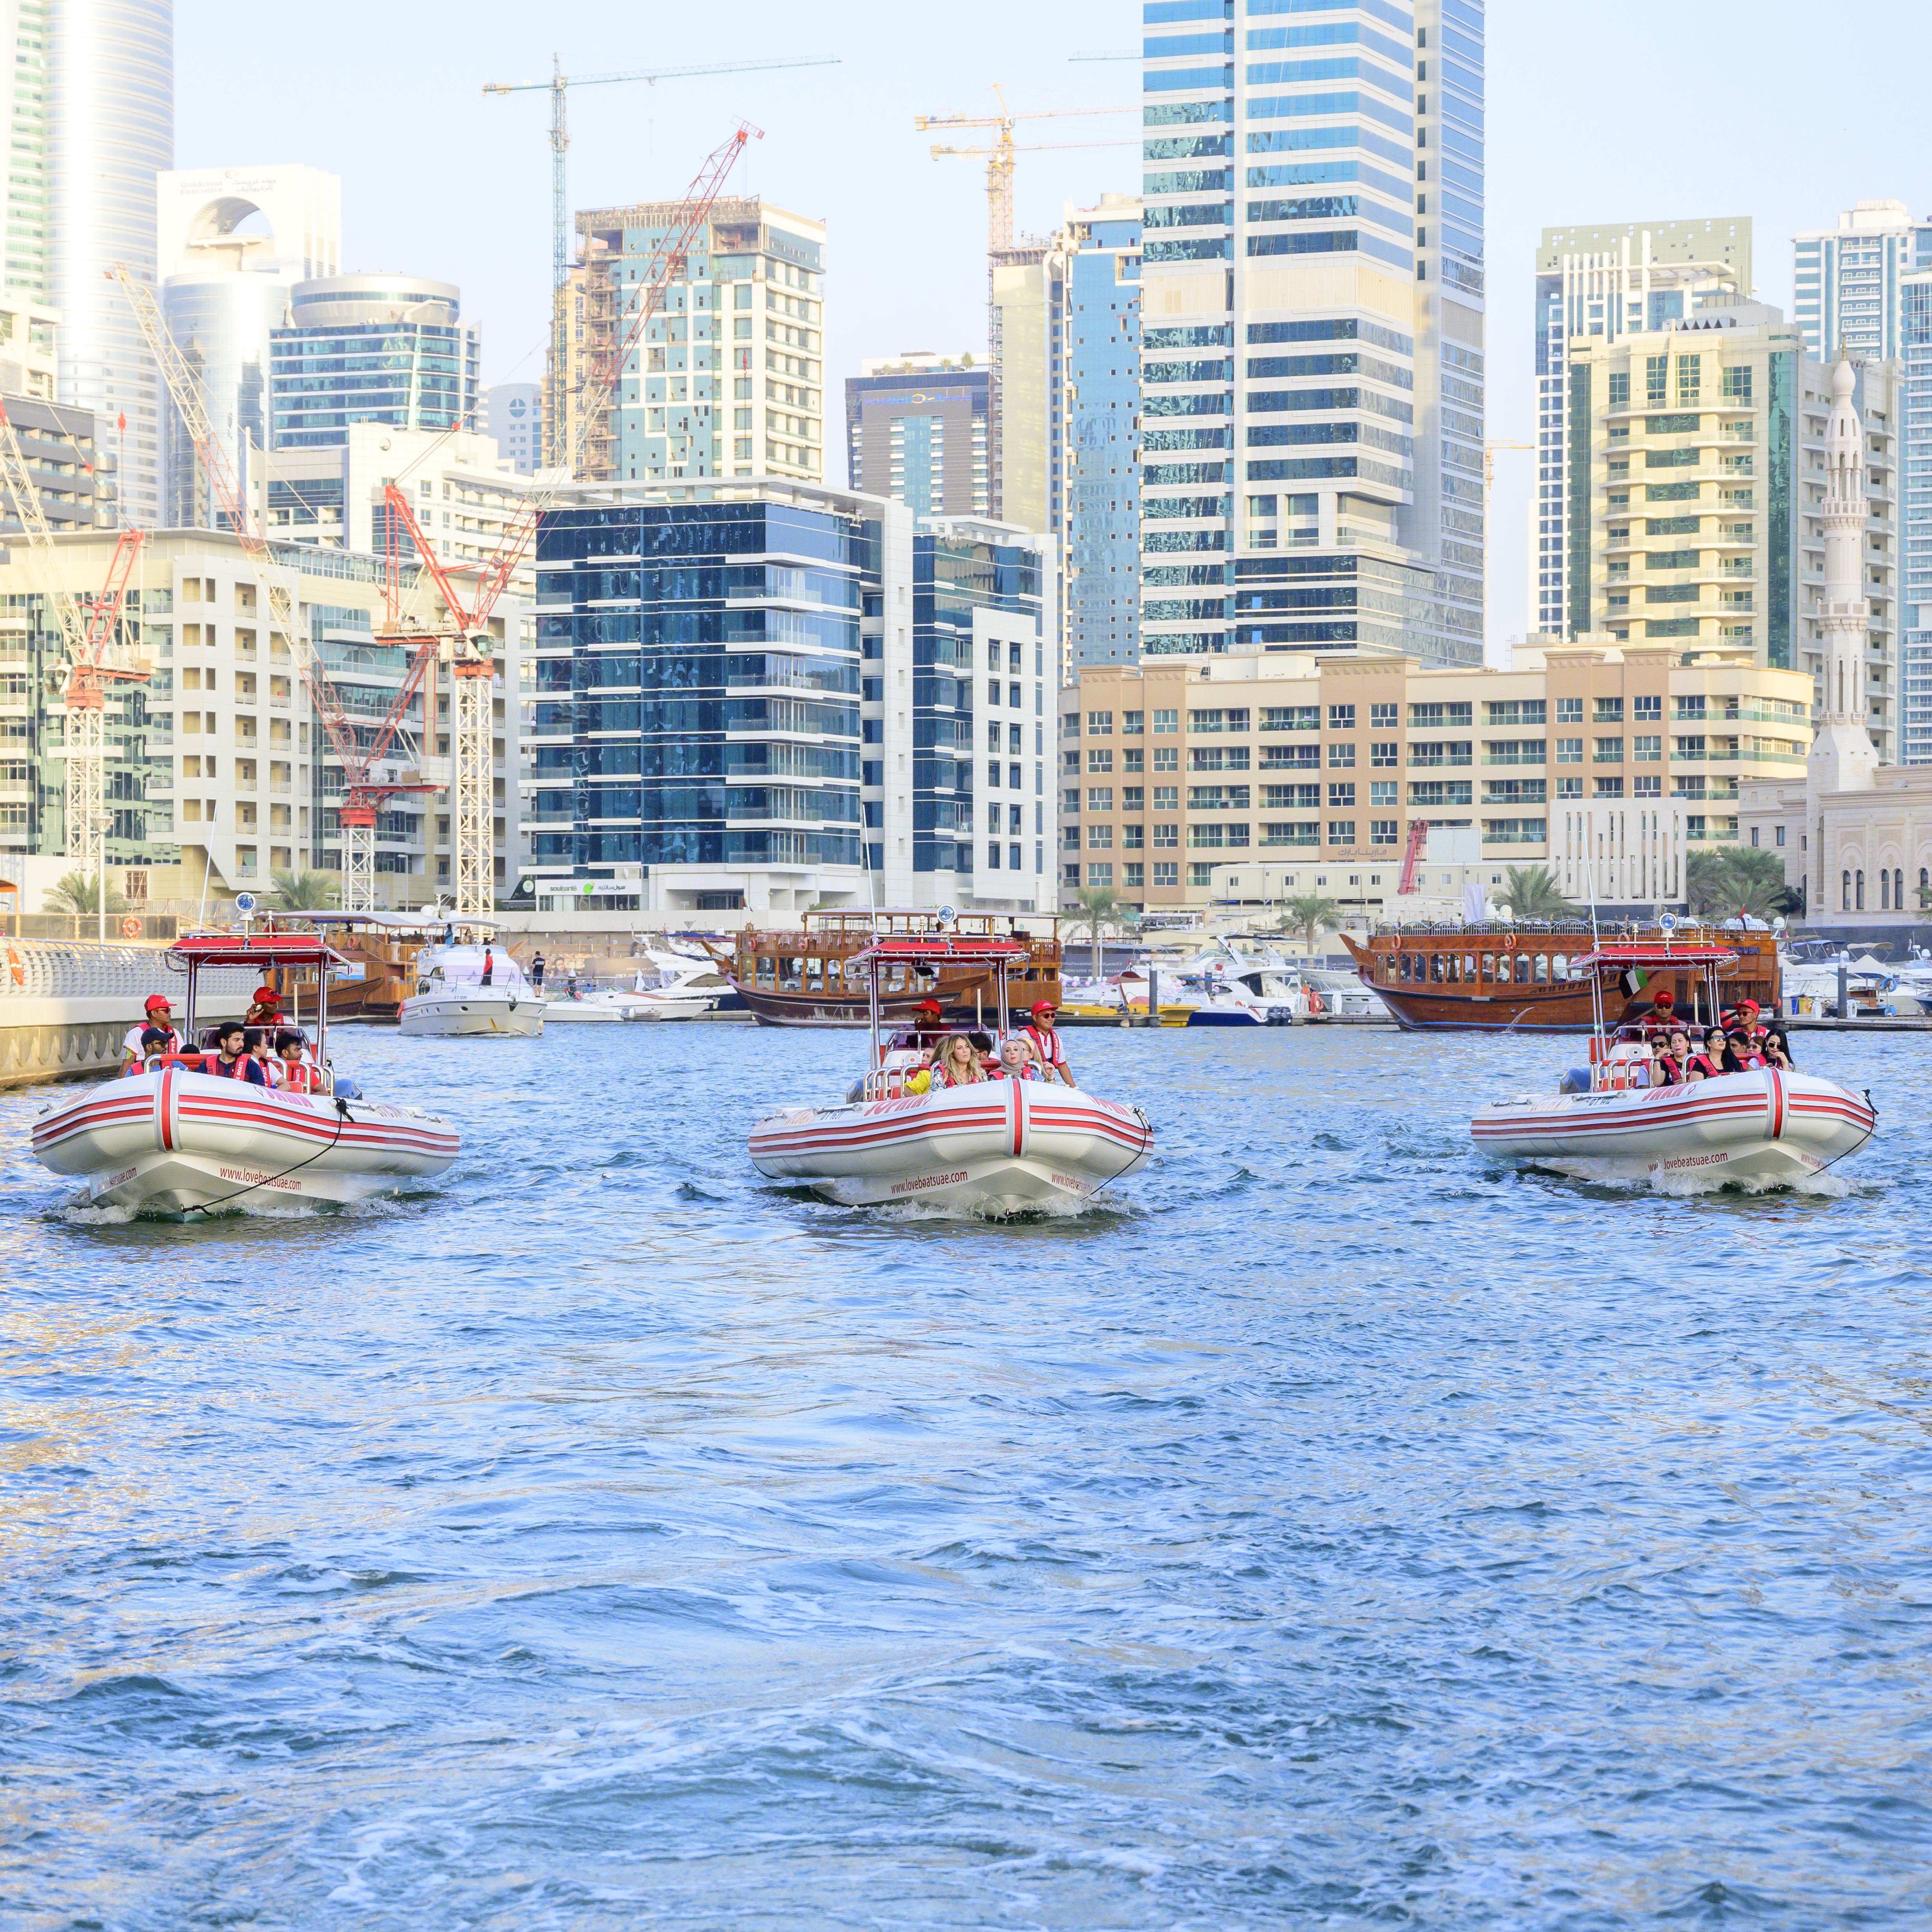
x=76 y=894
x=1533 y=893
x=307 y=892
x=1099 y=910
x=1308 y=914
x=1746 y=881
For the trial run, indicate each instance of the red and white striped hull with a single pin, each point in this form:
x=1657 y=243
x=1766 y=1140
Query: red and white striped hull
x=999 y=1147
x=1765 y=1127
x=176 y=1140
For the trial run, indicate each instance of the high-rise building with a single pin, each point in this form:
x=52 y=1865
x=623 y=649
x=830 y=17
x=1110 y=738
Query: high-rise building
x=793 y=734
x=232 y=243
x=111 y=85
x=1846 y=280
x=1914 y=296
x=1093 y=447
x=513 y=415
x=25 y=31
x=1313 y=327
x=1023 y=321
x=378 y=348
x=1607 y=281
x=915 y=431
x=729 y=380
x=1694 y=510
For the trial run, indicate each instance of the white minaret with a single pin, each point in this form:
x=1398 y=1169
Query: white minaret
x=1842 y=757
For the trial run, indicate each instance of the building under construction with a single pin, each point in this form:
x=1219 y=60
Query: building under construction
x=215 y=766
x=729 y=378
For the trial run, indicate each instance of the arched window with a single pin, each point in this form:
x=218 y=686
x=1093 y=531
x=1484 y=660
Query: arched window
x=1559 y=966
x=1861 y=890
x=1523 y=969
x=1543 y=969
x=1845 y=894
x=1898 y=888
x=1489 y=966
x=1884 y=890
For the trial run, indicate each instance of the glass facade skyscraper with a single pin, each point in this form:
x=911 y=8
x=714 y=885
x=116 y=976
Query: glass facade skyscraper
x=373 y=349
x=916 y=429
x=1313 y=326
x=767 y=696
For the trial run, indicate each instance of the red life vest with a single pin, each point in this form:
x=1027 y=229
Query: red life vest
x=297 y=1076
x=246 y=1068
x=1046 y=1044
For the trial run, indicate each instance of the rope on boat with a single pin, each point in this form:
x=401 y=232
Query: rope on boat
x=342 y=1116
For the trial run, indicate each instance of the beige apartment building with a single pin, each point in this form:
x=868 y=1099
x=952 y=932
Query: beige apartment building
x=1621 y=757
x=218 y=768
x=1695 y=482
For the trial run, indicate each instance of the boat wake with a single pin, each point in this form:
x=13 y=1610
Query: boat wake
x=1609 y=1175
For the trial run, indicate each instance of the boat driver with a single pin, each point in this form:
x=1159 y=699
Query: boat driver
x=1661 y=1021
x=133 y=1048
x=1047 y=1048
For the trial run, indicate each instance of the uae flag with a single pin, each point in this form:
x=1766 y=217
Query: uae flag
x=1635 y=981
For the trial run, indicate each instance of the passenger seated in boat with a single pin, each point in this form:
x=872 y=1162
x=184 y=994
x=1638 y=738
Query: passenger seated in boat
x=155 y=1042
x=292 y=1069
x=1016 y=1061
x=159 y=1013
x=1704 y=1063
x=232 y=1060
x=1658 y=1023
x=1671 y=1064
x=955 y=1064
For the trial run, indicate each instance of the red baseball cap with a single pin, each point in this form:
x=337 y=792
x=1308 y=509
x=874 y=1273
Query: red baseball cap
x=1044 y=1007
x=158 y=1002
x=1664 y=999
x=267 y=996
x=930 y=1006
x=1750 y=1006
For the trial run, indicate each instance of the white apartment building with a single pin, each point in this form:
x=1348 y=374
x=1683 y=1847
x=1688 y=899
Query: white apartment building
x=1847 y=298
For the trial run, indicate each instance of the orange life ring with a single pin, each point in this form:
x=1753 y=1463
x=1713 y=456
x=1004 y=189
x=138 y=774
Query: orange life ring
x=14 y=966
x=1315 y=1005
x=131 y=927
x=1509 y=942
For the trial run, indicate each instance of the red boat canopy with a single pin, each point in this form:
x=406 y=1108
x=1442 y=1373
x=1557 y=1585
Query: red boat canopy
x=255 y=950
x=974 y=950
x=1655 y=953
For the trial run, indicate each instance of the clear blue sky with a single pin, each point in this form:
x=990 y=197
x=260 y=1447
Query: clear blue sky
x=1653 y=110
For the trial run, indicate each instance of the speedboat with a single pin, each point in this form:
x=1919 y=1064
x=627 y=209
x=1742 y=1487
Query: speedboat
x=998 y=1147
x=1769 y=1127
x=175 y=1138
x=468 y=986
x=686 y=989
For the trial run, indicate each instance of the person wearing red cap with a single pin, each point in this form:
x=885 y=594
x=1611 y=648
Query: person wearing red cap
x=1044 y=1038
x=928 y=1026
x=1661 y=1021
x=265 y=1009
x=159 y=1014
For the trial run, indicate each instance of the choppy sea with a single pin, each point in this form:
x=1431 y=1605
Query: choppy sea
x=1330 y=1527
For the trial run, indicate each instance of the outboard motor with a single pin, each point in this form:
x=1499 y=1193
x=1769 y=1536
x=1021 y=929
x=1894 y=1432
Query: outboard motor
x=345 y=1089
x=1576 y=1080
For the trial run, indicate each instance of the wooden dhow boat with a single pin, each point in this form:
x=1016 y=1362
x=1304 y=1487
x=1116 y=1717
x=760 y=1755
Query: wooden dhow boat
x=997 y=1148
x=174 y=1138
x=1532 y=978
x=1769 y=1127
x=813 y=978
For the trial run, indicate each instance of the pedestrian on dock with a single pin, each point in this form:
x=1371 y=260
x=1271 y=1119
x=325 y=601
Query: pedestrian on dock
x=537 y=971
x=1047 y=1048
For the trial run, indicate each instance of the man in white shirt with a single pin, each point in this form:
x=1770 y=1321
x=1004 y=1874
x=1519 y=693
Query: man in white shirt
x=1044 y=1038
x=159 y=1014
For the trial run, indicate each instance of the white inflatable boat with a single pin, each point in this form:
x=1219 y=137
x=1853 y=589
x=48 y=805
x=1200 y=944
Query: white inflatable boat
x=174 y=1138
x=1767 y=1126
x=998 y=1147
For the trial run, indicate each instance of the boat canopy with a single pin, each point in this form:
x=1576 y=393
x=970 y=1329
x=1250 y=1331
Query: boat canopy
x=969 y=949
x=1655 y=953
x=260 y=950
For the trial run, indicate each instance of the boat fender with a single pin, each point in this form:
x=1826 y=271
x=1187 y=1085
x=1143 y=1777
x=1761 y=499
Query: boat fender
x=13 y=965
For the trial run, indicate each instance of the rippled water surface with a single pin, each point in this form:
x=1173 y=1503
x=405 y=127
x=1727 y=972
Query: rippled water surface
x=1333 y=1528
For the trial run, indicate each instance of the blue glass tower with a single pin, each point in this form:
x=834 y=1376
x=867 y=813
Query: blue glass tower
x=1313 y=326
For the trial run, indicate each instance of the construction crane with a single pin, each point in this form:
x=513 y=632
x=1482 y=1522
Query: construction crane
x=1490 y=462
x=95 y=659
x=558 y=88
x=999 y=161
x=1411 y=859
x=359 y=748
x=466 y=647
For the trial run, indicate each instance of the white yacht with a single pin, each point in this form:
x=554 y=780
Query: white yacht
x=686 y=989
x=471 y=985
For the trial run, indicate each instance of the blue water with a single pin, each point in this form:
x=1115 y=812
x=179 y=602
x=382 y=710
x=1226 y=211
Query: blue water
x=1332 y=1529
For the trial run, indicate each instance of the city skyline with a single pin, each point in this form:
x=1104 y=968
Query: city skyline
x=907 y=234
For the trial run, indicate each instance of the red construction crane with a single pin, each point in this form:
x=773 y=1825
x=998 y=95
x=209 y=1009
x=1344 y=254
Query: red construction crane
x=359 y=747
x=1418 y=837
x=470 y=650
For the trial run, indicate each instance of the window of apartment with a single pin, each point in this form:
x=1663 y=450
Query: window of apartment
x=1100 y=874
x=1569 y=711
x=1291 y=717
x=1341 y=832
x=1384 y=717
x=1514 y=711
x=1647 y=748
x=1609 y=751
x=1608 y=788
x=1167 y=798
x=1099 y=761
x=1385 y=756
x=1436 y=717
x=1166 y=872
x=1645 y=708
x=1342 y=794
x=1099 y=798
x=1619 y=388
x=1738 y=385
x=1609 y=711
x=1569 y=751
x=1215 y=721
x=1099 y=724
x=1133 y=724
x=1656 y=378
x=1384 y=831
x=1166 y=721
x=1342 y=757
x=1690 y=378
x=1164 y=837
x=1341 y=717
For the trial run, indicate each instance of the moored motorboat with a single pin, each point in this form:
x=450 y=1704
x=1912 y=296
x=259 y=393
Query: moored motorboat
x=1765 y=1126
x=470 y=987
x=175 y=1137
x=998 y=1147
